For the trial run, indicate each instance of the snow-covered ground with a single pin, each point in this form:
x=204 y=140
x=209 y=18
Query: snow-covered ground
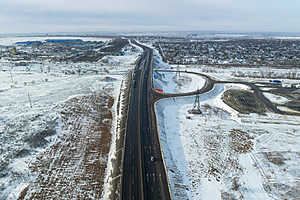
x=22 y=126
x=7 y=41
x=30 y=119
x=286 y=109
x=222 y=155
x=287 y=38
x=173 y=83
x=177 y=83
x=275 y=98
x=252 y=74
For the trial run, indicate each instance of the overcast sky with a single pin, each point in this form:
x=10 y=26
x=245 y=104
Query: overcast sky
x=46 y=16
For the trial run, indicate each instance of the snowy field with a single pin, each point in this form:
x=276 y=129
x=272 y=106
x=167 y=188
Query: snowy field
x=173 y=83
x=222 y=154
x=31 y=107
x=252 y=74
x=287 y=38
x=275 y=98
x=7 y=41
x=225 y=155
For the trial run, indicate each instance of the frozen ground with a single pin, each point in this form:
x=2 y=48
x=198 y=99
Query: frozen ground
x=32 y=114
x=275 y=98
x=177 y=83
x=252 y=74
x=174 y=82
x=7 y=41
x=224 y=155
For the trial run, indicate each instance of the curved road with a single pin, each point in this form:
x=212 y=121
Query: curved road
x=210 y=82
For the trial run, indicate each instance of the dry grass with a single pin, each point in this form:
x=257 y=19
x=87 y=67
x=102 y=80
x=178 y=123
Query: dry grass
x=243 y=101
x=275 y=158
x=221 y=159
x=227 y=196
x=241 y=142
x=74 y=166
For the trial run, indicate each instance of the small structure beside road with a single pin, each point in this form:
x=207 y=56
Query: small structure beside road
x=196 y=107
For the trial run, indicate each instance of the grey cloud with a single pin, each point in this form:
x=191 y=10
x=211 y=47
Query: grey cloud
x=144 y=15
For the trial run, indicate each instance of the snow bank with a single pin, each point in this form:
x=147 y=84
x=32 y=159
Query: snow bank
x=173 y=83
x=275 y=98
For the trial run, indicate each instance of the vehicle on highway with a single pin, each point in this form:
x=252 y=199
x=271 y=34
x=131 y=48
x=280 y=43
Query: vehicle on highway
x=152 y=159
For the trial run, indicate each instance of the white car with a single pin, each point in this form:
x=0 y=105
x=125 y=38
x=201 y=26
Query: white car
x=152 y=158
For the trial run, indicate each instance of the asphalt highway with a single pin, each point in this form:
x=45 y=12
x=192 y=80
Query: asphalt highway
x=144 y=176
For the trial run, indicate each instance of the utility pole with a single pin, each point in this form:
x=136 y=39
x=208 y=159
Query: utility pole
x=196 y=106
x=197 y=103
x=42 y=67
x=178 y=71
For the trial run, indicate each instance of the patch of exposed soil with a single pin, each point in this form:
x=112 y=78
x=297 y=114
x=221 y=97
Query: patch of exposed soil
x=74 y=166
x=243 y=101
x=275 y=158
x=241 y=142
